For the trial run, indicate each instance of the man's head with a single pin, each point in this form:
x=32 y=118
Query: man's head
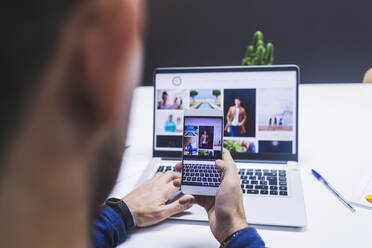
x=70 y=68
x=170 y=117
x=205 y=132
x=178 y=120
x=164 y=96
x=237 y=102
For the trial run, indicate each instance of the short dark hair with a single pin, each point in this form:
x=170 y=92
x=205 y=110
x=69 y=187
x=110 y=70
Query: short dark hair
x=30 y=36
x=164 y=94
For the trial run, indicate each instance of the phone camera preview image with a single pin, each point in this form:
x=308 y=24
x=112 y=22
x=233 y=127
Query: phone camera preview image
x=202 y=145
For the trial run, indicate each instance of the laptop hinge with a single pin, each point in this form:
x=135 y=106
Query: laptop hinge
x=238 y=160
x=171 y=158
x=261 y=161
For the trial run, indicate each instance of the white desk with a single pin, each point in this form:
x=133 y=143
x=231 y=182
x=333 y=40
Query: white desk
x=335 y=137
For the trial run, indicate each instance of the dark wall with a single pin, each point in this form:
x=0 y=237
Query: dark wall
x=330 y=40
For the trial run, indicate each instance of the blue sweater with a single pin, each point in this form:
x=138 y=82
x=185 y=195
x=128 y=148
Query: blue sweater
x=109 y=231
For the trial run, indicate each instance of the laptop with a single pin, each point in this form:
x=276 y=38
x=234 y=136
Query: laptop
x=260 y=107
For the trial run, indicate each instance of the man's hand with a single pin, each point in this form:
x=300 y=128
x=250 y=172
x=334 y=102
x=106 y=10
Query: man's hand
x=225 y=211
x=147 y=203
x=227 y=127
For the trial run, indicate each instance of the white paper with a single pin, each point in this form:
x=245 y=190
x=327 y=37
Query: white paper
x=363 y=188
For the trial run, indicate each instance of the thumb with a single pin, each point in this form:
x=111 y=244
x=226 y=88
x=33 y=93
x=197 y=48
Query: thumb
x=176 y=207
x=227 y=165
x=226 y=155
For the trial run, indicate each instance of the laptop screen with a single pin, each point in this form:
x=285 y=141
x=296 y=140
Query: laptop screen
x=260 y=106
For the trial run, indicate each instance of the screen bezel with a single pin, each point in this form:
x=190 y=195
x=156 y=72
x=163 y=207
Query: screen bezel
x=236 y=156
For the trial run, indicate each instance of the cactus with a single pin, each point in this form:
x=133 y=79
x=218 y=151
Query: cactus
x=258 y=54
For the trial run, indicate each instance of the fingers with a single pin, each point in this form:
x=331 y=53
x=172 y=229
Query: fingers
x=167 y=176
x=158 y=175
x=227 y=163
x=226 y=156
x=176 y=178
x=170 y=176
x=207 y=202
x=169 y=182
x=187 y=199
x=185 y=202
x=220 y=165
x=177 y=182
x=178 y=167
x=227 y=166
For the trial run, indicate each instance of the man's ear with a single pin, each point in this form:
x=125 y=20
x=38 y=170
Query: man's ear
x=108 y=35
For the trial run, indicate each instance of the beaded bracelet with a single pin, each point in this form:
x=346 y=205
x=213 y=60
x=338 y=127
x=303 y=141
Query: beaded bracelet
x=227 y=240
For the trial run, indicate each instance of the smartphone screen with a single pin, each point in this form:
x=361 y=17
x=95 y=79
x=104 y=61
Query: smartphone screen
x=202 y=145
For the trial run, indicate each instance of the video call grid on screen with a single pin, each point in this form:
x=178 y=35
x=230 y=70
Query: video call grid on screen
x=202 y=138
x=267 y=103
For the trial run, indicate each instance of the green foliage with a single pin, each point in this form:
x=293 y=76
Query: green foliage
x=258 y=54
x=231 y=146
x=216 y=93
x=202 y=153
x=193 y=93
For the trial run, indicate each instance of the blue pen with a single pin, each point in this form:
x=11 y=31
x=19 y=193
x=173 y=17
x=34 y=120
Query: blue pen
x=321 y=179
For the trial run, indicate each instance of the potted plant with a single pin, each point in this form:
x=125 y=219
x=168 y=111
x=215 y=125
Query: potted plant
x=257 y=53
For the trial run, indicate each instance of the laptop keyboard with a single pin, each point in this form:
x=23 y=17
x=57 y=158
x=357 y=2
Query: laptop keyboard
x=252 y=181
x=263 y=182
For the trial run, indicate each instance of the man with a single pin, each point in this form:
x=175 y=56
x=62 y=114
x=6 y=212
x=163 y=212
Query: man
x=177 y=103
x=162 y=104
x=179 y=125
x=69 y=72
x=248 y=147
x=236 y=117
x=170 y=125
x=204 y=140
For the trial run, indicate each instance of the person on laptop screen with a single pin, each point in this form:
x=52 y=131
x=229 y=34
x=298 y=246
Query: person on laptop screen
x=69 y=70
x=170 y=125
x=204 y=140
x=236 y=118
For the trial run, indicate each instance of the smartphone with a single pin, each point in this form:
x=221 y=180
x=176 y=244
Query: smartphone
x=202 y=146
